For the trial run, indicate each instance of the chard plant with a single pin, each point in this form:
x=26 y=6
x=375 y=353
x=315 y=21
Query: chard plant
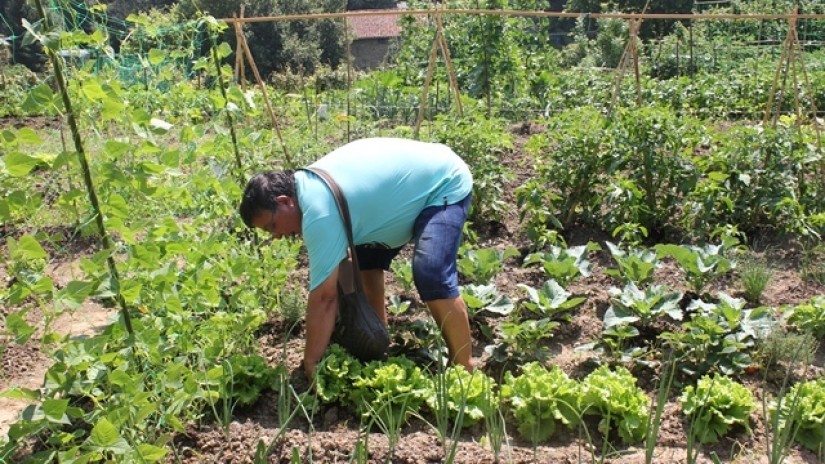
x=621 y=405
x=402 y=272
x=550 y=300
x=397 y=306
x=541 y=400
x=701 y=264
x=715 y=405
x=562 y=264
x=632 y=305
x=633 y=265
x=485 y=299
x=480 y=266
x=719 y=336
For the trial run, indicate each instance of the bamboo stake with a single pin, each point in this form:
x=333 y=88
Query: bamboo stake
x=634 y=39
x=810 y=90
x=621 y=69
x=240 y=71
x=445 y=50
x=87 y=175
x=264 y=93
x=349 y=76
x=427 y=80
x=775 y=84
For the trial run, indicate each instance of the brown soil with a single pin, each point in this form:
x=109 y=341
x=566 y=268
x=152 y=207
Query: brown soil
x=331 y=434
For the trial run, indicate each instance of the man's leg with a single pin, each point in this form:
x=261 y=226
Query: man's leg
x=437 y=234
x=451 y=317
x=374 y=288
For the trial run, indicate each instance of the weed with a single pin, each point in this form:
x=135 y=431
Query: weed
x=754 y=275
x=782 y=347
x=292 y=306
x=812 y=266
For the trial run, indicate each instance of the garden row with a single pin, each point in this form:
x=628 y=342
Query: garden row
x=538 y=401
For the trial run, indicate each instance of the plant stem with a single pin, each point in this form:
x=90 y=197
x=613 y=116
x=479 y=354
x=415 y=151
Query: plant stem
x=87 y=174
x=229 y=118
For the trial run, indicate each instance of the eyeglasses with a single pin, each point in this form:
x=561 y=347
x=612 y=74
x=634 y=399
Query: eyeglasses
x=270 y=227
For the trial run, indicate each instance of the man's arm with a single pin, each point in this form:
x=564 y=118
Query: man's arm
x=322 y=307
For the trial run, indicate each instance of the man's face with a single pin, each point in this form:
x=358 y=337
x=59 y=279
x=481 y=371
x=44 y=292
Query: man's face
x=285 y=221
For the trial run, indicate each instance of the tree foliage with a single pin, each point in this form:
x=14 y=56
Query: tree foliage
x=277 y=46
x=660 y=27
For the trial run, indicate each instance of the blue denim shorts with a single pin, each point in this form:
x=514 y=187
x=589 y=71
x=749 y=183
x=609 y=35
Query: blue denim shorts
x=437 y=234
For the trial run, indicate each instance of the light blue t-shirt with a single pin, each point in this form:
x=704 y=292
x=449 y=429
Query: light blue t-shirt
x=387 y=182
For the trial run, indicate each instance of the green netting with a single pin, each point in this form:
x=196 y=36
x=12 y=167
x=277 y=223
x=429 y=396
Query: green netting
x=129 y=42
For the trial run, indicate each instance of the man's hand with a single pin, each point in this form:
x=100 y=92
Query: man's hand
x=309 y=369
x=322 y=307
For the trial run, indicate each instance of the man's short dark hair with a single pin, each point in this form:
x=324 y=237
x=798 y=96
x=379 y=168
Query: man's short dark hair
x=262 y=190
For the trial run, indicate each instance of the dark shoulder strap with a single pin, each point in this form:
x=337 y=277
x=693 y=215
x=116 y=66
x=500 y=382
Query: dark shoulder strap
x=343 y=209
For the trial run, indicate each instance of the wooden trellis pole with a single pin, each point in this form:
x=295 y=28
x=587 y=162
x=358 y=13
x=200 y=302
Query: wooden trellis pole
x=630 y=55
x=445 y=51
x=240 y=71
x=262 y=86
x=791 y=62
x=439 y=42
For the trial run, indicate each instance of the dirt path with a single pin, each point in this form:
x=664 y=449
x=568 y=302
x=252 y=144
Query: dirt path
x=25 y=365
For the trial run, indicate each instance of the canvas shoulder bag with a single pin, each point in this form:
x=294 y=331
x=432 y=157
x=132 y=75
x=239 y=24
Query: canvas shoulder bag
x=357 y=327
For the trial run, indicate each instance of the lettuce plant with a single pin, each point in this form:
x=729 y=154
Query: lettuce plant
x=809 y=316
x=715 y=405
x=335 y=375
x=471 y=393
x=615 y=397
x=803 y=409
x=250 y=376
x=540 y=399
x=396 y=387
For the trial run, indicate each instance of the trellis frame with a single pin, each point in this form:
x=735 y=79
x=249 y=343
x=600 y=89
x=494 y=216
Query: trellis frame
x=631 y=52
